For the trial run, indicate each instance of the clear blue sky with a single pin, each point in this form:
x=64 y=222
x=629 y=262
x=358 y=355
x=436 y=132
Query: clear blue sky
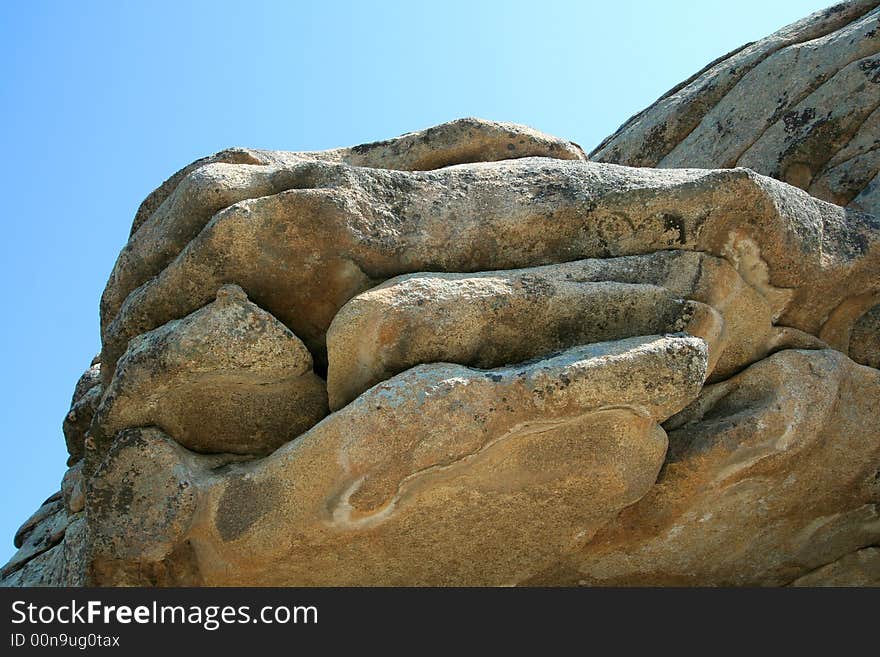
x=101 y=101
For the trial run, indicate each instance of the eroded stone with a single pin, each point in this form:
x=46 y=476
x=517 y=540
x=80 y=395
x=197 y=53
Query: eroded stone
x=231 y=357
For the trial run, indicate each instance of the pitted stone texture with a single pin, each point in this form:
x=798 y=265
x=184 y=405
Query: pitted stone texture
x=72 y=488
x=227 y=378
x=177 y=210
x=769 y=475
x=141 y=501
x=805 y=257
x=86 y=397
x=495 y=318
x=423 y=479
x=455 y=142
x=865 y=338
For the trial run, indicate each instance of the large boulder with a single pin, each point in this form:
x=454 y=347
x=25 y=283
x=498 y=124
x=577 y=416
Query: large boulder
x=46 y=556
x=302 y=254
x=490 y=319
x=86 y=398
x=441 y=475
x=539 y=369
x=232 y=359
x=802 y=105
x=769 y=475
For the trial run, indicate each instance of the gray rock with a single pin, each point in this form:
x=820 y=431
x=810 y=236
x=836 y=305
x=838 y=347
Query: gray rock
x=800 y=105
x=40 y=533
x=78 y=420
x=72 y=489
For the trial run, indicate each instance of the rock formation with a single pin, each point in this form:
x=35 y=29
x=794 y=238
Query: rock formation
x=472 y=356
x=802 y=106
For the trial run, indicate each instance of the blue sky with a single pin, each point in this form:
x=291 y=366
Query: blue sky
x=101 y=101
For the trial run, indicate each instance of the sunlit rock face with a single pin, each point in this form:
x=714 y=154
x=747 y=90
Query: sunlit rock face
x=470 y=356
x=802 y=106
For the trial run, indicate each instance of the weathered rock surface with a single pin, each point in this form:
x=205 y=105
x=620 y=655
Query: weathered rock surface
x=86 y=397
x=231 y=357
x=472 y=321
x=437 y=476
x=493 y=318
x=72 y=486
x=45 y=556
x=861 y=568
x=457 y=142
x=179 y=209
x=865 y=338
x=802 y=105
x=468 y=356
x=770 y=474
x=805 y=256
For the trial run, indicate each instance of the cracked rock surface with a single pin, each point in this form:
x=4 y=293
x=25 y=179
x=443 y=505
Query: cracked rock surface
x=802 y=105
x=470 y=356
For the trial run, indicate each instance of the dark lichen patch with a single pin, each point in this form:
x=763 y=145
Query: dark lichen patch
x=536 y=286
x=243 y=503
x=675 y=222
x=871 y=69
x=850 y=240
x=118 y=500
x=795 y=120
x=813 y=145
x=782 y=103
x=362 y=149
x=864 y=346
x=654 y=147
